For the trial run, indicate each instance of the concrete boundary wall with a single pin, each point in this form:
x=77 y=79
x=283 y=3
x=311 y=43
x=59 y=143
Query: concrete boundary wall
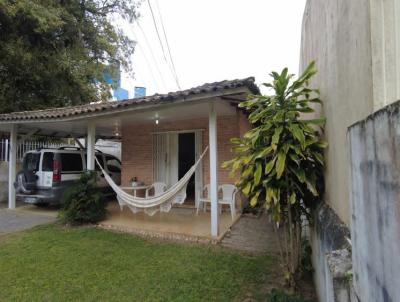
x=375 y=202
x=331 y=256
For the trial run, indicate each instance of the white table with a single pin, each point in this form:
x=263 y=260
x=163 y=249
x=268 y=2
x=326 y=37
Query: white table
x=136 y=188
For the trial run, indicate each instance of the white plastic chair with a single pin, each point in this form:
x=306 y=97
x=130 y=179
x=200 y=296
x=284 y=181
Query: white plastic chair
x=159 y=188
x=228 y=197
x=203 y=197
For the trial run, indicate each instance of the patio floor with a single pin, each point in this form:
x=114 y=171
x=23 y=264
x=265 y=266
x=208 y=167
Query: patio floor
x=179 y=223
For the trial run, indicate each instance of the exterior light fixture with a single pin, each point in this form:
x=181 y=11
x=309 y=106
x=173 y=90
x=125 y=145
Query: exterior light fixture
x=156 y=118
x=116 y=130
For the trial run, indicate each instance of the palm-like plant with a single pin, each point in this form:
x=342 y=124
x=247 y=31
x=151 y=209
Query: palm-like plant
x=281 y=158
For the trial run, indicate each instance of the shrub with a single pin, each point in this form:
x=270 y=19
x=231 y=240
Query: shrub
x=83 y=202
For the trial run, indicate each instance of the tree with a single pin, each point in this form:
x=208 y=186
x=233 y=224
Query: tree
x=53 y=53
x=281 y=159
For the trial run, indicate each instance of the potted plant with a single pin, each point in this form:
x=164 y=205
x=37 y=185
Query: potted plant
x=134 y=181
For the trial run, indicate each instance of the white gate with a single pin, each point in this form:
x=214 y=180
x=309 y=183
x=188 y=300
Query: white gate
x=24 y=147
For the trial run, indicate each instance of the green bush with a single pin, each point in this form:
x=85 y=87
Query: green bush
x=83 y=202
x=281 y=296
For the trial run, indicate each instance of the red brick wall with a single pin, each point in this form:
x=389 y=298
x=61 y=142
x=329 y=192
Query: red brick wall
x=244 y=124
x=137 y=145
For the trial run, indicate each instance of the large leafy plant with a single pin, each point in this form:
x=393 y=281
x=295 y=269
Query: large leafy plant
x=280 y=159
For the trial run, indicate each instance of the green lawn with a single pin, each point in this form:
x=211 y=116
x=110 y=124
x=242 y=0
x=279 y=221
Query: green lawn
x=50 y=263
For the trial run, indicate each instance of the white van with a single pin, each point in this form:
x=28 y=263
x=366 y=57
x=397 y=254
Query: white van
x=48 y=173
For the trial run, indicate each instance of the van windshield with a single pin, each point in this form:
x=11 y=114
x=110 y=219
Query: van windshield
x=31 y=161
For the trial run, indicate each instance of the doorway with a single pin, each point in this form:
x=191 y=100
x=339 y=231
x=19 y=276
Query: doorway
x=186 y=159
x=174 y=153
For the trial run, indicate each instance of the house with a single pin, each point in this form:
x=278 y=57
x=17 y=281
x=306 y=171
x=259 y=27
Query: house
x=161 y=135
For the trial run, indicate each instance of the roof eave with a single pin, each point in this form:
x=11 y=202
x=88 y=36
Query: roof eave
x=130 y=108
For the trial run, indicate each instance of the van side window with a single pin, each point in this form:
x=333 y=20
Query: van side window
x=71 y=162
x=113 y=164
x=31 y=161
x=47 y=162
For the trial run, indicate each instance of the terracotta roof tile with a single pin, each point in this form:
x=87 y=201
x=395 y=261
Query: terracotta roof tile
x=65 y=112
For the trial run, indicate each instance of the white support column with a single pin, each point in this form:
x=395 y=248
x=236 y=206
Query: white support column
x=212 y=132
x=90 y=142
x=12 y=166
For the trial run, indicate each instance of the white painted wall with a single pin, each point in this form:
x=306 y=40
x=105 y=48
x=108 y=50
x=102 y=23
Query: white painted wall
x=385 y=43
x=356 y=46
x=109 y=147
x=4 y=180
x=336 y=35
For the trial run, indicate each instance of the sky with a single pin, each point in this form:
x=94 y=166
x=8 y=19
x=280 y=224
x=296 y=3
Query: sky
x=213 y=40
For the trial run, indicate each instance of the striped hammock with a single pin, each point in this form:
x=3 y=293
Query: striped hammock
x=151 y=205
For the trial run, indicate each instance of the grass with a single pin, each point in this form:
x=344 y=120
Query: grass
x=50 y=263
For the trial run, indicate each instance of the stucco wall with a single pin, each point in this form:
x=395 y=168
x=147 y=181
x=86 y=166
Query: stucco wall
x=356 y=47
x=4 y=180
x=375 y=198
x=137 y=145
x=336 y=35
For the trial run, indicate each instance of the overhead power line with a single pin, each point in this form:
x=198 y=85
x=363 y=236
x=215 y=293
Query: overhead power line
x=152 y=54
x=150 y=69
x=147 y=61
x=166 y=41
x=162 y=47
